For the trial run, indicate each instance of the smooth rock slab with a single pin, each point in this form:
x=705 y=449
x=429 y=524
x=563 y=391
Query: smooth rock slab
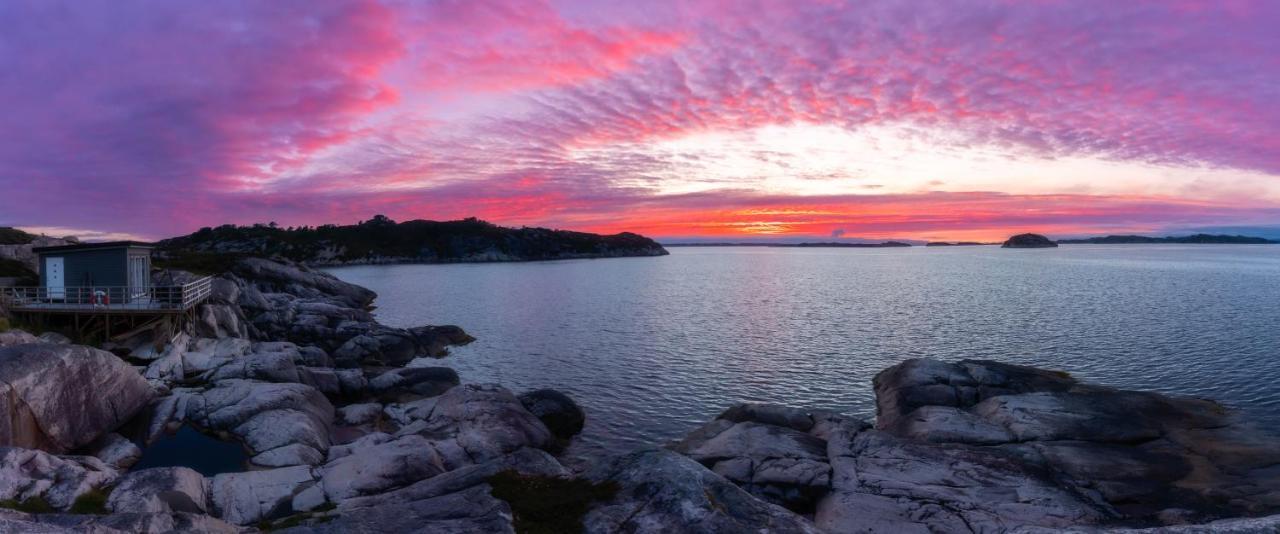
x=246 y=498
x=945 y=424
x=61 y=397
x=161 y=489
x=777 y=463
x=988 y=488
x=374 y=469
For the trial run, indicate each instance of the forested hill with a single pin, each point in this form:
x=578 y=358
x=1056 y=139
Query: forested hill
x=382 y=240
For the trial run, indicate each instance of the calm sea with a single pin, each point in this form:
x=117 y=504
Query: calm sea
x=652 y=347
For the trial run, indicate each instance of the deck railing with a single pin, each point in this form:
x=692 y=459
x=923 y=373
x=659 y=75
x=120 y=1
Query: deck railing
x=106 y=298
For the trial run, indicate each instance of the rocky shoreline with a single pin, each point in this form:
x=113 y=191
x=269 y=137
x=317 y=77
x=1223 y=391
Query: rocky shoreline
x=352 y=426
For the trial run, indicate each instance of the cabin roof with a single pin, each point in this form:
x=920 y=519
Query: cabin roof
x=93 y=246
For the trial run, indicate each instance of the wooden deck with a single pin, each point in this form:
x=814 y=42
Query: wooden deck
x=107 y=300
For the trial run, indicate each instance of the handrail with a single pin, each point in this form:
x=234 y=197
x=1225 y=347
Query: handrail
x=34 y=298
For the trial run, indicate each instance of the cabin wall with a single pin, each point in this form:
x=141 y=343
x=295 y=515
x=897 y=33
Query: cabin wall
x=102 y=267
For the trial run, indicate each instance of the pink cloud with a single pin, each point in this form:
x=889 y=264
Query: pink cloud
x=160 y=118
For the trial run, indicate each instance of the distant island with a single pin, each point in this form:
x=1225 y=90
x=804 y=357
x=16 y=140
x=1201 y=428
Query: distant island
x=1190 y=239
x=381 y=240
x=1028 y=241
x=886 y=244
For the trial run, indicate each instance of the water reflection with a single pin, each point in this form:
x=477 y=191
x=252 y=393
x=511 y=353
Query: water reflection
x=189 y=447
x=651 y=347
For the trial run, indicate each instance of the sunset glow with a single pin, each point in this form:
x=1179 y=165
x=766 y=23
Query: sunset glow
x=680 y=120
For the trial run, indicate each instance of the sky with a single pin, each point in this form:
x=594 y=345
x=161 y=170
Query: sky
x=714 y=120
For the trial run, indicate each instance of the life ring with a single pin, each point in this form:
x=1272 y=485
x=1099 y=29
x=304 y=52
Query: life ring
x=100 y=298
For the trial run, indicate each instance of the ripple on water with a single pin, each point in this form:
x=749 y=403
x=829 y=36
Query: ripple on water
x=653 y=347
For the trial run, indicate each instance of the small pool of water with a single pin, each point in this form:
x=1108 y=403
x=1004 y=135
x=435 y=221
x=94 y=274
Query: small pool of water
x=189 y=447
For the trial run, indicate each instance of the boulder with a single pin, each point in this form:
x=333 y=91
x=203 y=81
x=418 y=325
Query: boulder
x=1028 y=241
x=779 y=464
x=663 y=492
x=558 y=411
x=161 y=489
x=435 y=340
x=413 y=382
x=27 y=474
x=61 y=397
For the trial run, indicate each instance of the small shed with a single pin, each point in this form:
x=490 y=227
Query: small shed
x=121 y=269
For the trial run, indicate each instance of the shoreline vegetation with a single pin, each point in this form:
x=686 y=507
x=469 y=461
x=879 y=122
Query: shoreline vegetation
x=381 y=240
x=354 y=426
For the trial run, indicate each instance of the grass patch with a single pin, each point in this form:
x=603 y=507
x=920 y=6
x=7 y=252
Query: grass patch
x=548 y=505
x=93 y=501
x=34 y=505
x=4 y=325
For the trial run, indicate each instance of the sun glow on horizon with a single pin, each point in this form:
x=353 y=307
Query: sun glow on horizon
x=821 y=159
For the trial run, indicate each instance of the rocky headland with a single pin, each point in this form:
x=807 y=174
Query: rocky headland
x=381 y=240
x=348 y=425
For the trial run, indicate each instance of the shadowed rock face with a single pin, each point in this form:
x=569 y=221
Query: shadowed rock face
x=661 y=491
x=558 y=411
x=986 y=446
x=1029 y=241
x=1129 y=456
x=58 y=397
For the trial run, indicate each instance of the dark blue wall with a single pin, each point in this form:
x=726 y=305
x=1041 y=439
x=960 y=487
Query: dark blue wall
x=100 y=267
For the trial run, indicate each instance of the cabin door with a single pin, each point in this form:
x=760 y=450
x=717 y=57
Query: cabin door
x=55 y=278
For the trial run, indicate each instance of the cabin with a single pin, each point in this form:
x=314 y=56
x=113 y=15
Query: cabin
x=118 y=271
x=106 y=289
